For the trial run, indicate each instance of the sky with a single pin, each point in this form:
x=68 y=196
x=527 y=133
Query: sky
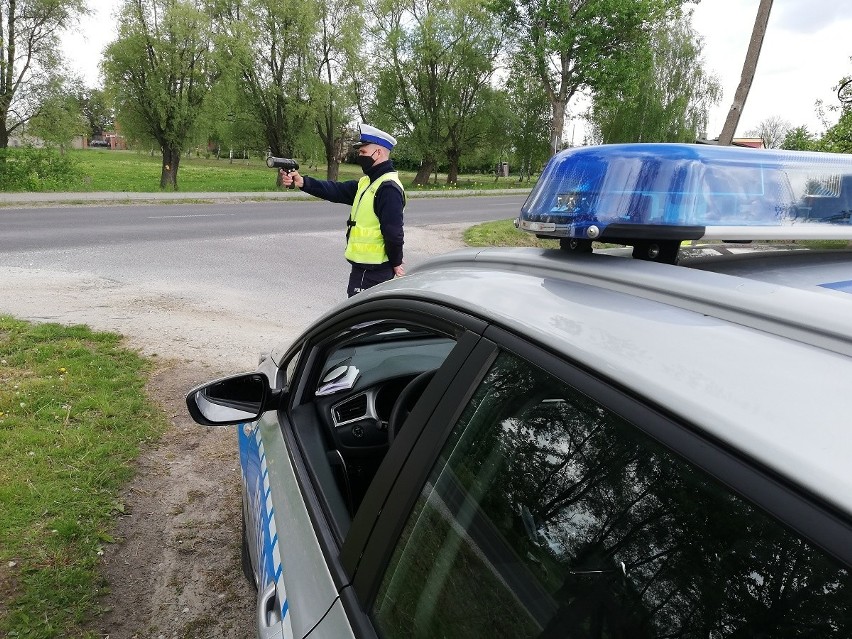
x=807 y=49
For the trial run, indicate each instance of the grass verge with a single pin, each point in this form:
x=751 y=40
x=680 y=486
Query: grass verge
x=503 y=233
x=139 y=172
x=73 y=412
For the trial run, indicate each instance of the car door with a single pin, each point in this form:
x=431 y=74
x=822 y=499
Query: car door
x=540 y=501
x=294 y=586
x=307 y=466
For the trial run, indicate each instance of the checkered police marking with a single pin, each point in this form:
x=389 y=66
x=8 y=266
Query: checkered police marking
x=269 y=561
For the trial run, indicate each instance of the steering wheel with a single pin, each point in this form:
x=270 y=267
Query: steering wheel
x=406 y=401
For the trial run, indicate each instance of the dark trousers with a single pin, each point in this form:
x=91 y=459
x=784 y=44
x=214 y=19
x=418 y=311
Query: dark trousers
x=361 y=278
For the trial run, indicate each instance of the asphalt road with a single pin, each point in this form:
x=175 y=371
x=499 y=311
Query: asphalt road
x=46 y=229
x=228 y=278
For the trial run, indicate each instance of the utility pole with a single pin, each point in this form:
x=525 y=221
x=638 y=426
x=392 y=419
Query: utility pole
x=749 y=67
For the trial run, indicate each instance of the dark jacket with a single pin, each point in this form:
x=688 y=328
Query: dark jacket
x=388 y=206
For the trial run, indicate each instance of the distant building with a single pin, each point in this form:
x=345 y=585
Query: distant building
x=24 y=139
x=108 y=140
x=752 y=143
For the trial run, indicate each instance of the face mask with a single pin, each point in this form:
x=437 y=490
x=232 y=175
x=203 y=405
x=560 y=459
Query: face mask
x=365 y=161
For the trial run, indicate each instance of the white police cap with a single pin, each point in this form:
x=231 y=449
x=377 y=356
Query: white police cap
x=372 y=135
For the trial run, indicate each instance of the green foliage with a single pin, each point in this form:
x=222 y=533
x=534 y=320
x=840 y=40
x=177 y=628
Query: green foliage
x=58 y=120
x=799 y=139
x=264 y=45
x=159 y=71
x=503 y=233
x=97 y=111
x=493 y=125
x=335 y=58
x=529 y=117
x=668 y=96
x=94 y=170
x=28 y=169
x=225 y=124
x=73 y=413
x=581 y=45
x=31 y=73
x=433 y=84
x=470 y=106
x=838 y=138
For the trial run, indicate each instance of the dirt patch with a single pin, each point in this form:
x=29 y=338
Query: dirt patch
x=175 y=569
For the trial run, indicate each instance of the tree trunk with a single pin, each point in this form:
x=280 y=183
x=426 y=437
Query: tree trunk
x=333 y=152
x=168 y=177
x=453 y=170
x=4 y=134
x=424 y=173
x=749 y=67
x=558 y=108
x=333 y=170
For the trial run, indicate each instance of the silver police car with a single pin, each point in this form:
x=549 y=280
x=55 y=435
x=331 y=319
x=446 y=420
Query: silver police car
x=573 y=443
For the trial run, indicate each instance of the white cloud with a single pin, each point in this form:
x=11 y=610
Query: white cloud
x=808 y=17
x=805 y=52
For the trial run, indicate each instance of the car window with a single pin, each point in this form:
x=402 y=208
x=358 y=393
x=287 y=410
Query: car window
x=289 y=368
x=547 y=515
x=343 y=417
x=377 y=351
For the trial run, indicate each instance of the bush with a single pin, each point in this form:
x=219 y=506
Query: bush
x=29 y=169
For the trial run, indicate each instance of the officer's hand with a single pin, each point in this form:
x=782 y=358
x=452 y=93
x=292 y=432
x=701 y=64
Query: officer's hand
x=398 y=271
x=293 y=177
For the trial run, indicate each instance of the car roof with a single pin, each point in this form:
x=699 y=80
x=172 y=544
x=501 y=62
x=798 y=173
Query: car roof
x=752 y=347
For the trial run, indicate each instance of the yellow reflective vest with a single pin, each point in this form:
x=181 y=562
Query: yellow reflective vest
x=365 y=244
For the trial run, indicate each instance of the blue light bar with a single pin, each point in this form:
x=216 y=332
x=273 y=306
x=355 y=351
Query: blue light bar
x=621 y=193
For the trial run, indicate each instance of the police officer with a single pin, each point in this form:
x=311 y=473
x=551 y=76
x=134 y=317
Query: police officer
x=374 y=236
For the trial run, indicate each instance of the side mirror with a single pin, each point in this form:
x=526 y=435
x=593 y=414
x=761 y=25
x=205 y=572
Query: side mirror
x=231 y=400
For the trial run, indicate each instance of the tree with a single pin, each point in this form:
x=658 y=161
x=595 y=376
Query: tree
x=749 y=67
x=669 y=96
x=470 y=97
x=332 y=91
x=30 y=62
x=440 y=60
x=529 y=122
x=837 y=137
x=99 y=114
x=579 y=45
x=227 y=118
x=59 y=119
x=267 y=43
x=160 y=69
x=798 y=139
x=773 y=131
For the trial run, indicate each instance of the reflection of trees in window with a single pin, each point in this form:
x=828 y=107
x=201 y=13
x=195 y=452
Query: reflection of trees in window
x=627 y=539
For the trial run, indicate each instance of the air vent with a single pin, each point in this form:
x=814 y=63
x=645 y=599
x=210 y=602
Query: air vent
x=354 y=408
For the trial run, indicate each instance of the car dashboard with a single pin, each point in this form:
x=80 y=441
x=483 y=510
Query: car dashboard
x=357 y=417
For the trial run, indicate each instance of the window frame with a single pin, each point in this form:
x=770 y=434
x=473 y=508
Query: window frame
x=807 y=516
x=312 y=346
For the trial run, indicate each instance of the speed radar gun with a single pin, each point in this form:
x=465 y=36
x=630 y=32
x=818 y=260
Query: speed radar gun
x=285 y=164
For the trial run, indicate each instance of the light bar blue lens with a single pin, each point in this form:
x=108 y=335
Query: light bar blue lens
x=690 y=191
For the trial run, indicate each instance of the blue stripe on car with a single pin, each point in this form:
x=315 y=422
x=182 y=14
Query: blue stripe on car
x=256 y=474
